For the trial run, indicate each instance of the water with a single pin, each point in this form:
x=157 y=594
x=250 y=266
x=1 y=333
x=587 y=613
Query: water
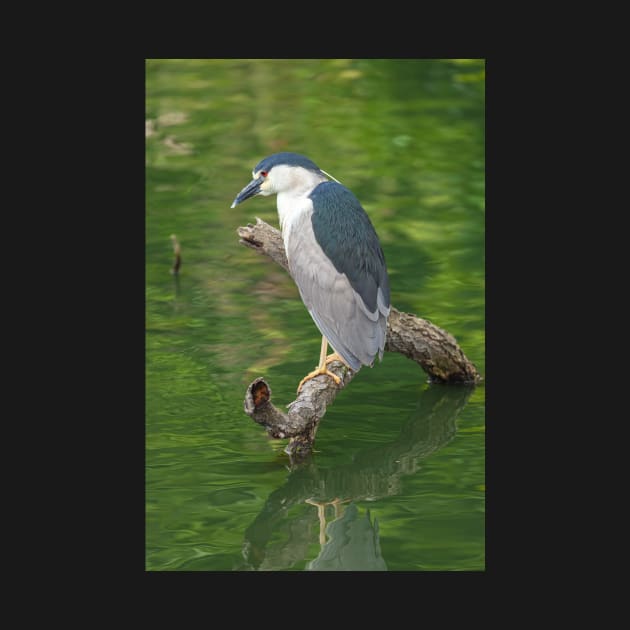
x=397 y=479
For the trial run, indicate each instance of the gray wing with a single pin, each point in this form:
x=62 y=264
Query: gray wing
x=353 y=330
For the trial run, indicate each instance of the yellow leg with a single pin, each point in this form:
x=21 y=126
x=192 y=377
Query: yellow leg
x=321 y=368
x=336 y=503
x=321 y=514
x=334 y=357
x=322 y=519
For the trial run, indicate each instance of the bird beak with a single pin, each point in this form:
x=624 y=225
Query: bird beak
x=253 y=188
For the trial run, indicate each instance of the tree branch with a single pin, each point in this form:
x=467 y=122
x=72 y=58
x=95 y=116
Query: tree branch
x=434 y=349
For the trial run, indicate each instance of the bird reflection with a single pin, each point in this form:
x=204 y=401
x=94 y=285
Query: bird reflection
x=321 y=515
x=349 y=540
x=353 y=543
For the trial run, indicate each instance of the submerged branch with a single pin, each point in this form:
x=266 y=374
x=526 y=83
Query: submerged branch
x=302 y=418
x=434 y=349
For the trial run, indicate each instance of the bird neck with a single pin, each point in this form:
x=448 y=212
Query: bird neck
x=294 y=201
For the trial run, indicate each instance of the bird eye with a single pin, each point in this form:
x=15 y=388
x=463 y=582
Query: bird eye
x=263 y=173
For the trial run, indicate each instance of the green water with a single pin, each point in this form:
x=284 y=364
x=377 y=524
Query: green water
x=405 y=460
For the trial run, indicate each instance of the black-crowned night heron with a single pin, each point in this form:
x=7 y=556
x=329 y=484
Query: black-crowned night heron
x=334 y=255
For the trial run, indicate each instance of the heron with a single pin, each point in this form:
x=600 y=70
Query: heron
x=334 y=256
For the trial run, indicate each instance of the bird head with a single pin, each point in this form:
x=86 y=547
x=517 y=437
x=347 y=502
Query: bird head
x=279 y=173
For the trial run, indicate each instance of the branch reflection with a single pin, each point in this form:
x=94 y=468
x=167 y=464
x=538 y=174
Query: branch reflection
x=282 y=535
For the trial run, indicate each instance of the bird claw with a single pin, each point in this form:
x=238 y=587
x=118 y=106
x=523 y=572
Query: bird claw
x=334 y=357
x=318 y=372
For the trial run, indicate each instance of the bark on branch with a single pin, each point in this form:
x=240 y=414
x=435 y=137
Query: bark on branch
x=434 y=349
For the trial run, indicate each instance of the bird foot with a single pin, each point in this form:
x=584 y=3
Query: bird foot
x=317 y=372
x=334 y=357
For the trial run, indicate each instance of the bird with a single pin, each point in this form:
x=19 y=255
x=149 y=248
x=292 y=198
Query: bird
x=335 y=258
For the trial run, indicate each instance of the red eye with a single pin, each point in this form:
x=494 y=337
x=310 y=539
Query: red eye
x=263 y=173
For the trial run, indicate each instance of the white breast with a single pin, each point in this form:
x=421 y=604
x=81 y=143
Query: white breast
x=292 y=210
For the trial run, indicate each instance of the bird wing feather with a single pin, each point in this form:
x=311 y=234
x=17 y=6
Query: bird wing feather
x=353 y=330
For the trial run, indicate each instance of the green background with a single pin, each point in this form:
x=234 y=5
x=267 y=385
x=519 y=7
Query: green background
x=406 y=460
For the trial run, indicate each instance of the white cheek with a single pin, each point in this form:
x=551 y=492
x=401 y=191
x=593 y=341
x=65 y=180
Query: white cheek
x=266 y=188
